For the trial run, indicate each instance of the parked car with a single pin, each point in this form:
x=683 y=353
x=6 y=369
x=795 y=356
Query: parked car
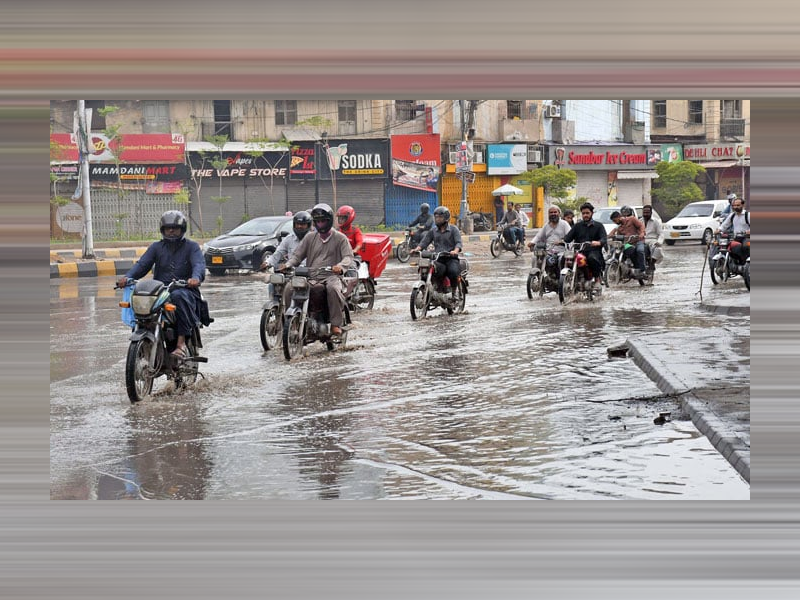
x=696 y=221
x=246 y=246
x=603 y=215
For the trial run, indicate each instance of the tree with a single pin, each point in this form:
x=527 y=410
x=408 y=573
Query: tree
x=557 y=183
x=261 y=146
x=675 y=186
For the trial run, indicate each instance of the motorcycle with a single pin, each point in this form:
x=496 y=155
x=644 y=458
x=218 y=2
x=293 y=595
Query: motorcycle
x=272 y=313
x=544 y=274
x=369 y=265
x=620 y=264
x=154 y=337
x=481 y=221
x=306 y=320
x=429 y=292
x=576 y=276
x=500 y=244
x=723 y=264
x=404 y=248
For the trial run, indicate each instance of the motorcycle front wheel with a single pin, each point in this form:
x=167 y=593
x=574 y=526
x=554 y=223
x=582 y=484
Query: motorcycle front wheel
x=271 y=327
x=566 y=287
x=496 y=247
x=293 y=336
x=364 y=295
x=403 y=253
x=613 y=274
x=712 y=270
x=419 y=303
x=534 y=285
x=139 y=373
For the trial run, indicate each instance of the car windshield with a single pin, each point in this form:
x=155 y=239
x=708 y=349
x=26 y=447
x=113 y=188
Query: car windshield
x=696 y=210
x=603 y=216
x=255 y=227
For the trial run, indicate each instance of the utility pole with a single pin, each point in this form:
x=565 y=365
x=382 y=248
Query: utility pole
x=467 y=125
x=82 y=135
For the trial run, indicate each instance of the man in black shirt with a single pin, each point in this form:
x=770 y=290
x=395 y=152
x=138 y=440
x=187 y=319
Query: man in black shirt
x=589 y=230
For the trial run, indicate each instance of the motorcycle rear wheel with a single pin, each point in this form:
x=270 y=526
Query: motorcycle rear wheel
x=403 y=253
x=271 y=328
x=138 y=370
x=534 y=285
x=331 y=346
x=364 y=295
x=496 y=248
x=566 y=287
x=461 y=298
x=419 y=303
x=187 y=370
x=293 y=336
x=746 y=275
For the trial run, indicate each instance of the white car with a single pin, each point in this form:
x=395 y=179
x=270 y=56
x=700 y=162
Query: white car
x=696 y=221
x=603 y=215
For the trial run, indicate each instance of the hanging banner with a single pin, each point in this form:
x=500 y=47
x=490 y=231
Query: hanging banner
x=416 y=161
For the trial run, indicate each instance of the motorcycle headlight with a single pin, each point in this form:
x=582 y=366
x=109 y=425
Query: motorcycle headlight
x=143 y=305
x=299 y=283
x=276 y=278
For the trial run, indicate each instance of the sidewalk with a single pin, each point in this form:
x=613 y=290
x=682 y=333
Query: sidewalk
x=716 y=398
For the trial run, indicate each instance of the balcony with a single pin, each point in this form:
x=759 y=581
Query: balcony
x=731 y=128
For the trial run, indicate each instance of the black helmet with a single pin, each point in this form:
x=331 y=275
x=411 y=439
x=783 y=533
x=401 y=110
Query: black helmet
x=173 y=218
x=302 y=217
x=625 y=210
x=322 y=215
x=424 y=208
x=441 y=211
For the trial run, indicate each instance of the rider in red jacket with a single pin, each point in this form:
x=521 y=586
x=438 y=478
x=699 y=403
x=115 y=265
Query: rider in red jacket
x=345 y=217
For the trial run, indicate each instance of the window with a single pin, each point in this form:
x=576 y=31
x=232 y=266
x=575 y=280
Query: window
x=98 y=120
x=347 y=117
x=514 y=109
x=285 y=112
x=155 y=116
x=222 y=117
x=405 y=110
x=659 y=113
x=731 y=109
x=695 y=111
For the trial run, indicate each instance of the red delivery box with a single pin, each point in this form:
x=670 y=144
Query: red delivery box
x=377 y=250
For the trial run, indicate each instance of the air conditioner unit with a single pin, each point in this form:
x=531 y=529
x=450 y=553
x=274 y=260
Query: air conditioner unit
x=553 y=111
x=477 y=157
x=451 y=157
x=534 y=156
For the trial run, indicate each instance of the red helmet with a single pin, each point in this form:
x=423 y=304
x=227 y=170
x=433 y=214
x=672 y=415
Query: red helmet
x=345 y=216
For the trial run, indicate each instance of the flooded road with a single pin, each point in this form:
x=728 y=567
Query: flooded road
x=513 y=399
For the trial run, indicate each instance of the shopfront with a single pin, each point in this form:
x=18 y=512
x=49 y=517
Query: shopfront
x=609 y=175
x=727 y=168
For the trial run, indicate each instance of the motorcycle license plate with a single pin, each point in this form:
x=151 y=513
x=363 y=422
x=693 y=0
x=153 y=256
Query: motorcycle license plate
x=216 y=260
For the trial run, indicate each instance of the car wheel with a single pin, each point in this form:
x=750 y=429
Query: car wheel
x=669 y=242
x=707 y=235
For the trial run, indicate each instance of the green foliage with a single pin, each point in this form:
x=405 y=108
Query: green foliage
x=221 y=199
x=571 y=204
x=556 y=182
x=675 y=186
x=315 y=121
x=182 y=197
x=107 y=110
x=59 y=200
x=218 y=141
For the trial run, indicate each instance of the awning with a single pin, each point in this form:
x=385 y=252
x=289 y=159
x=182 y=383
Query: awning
x=637 y=175
x=235 y=147
x=720 y=164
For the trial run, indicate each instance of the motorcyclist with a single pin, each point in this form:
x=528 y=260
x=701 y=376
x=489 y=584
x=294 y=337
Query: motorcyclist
x=423 y=223
x=589 y=230
x=654 y=235
x=345 y=217
x=446 y=239
x=325 y=247
x=552 y=235
x=633 y=230
x=301 y=225
x=513 y=231
x=727 y=210
x=175 y=257
x=569 y=216
x=738 y=221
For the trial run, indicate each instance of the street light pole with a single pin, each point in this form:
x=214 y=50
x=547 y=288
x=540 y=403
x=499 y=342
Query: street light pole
x=83 y=145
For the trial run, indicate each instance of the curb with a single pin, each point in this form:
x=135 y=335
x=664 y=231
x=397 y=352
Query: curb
x=733 y=449
x=104 y=253
x=727 y=310
x=92 y=268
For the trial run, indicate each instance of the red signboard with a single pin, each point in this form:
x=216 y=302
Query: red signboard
x=128 y=148
x=416 y=161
